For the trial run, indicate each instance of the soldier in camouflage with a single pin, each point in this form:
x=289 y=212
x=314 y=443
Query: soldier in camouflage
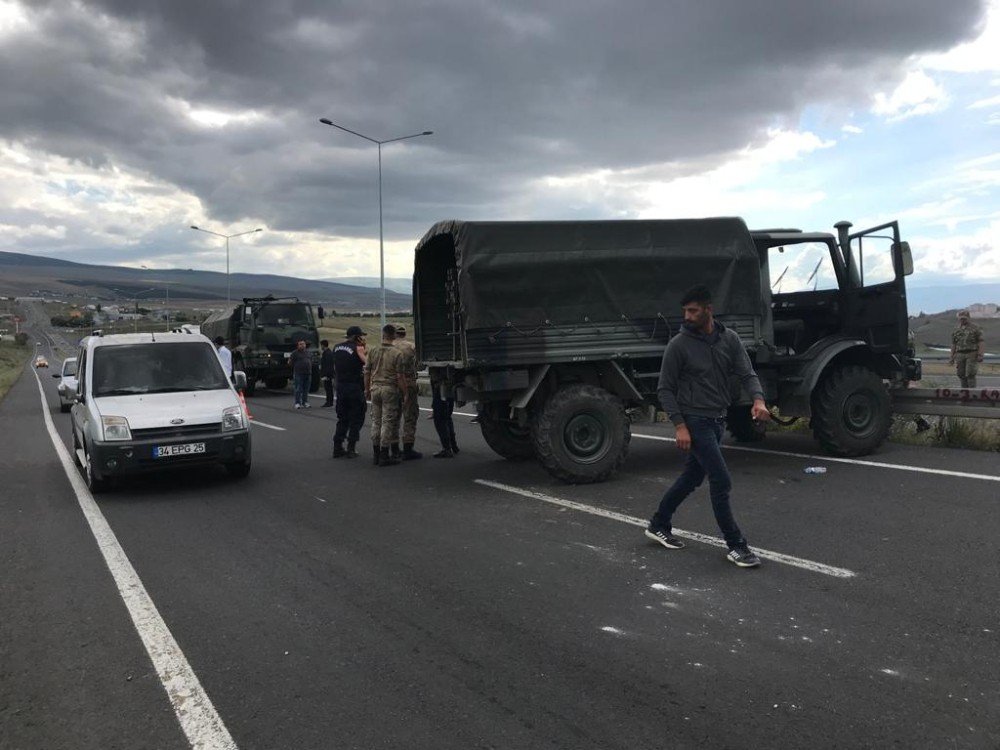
x=384 y=384
x=411 y=409
x=967 y=349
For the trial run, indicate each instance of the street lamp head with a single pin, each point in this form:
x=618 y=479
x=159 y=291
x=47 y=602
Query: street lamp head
x=325 y=121
x=258 y=229
x=428 y=132
x=193 y=226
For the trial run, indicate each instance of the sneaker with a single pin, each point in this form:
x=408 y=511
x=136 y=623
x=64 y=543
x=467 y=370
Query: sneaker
x=307 y=405
x=298 y=406
x=665 y=538
x=743 y=557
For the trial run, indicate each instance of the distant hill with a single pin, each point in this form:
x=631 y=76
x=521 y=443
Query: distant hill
x=401 y=285
x=24 y=275
x=935 y=330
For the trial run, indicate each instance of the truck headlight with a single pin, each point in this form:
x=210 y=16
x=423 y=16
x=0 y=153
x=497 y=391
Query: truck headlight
x=116 y=428
x=232 y=419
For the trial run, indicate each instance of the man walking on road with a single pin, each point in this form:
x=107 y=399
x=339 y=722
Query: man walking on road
x=349 y=362
x=694 y=392
x=967 y=350
x=301 y=364
x=411 y=408
x=326 y=371
x=384 y=384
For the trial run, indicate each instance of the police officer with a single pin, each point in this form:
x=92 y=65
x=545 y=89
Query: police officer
x=384 y=385
x=411 y=409
x=326 y=371
x=967 y=349
x=349 y=359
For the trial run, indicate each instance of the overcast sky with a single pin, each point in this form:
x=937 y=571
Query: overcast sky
x=122 y=122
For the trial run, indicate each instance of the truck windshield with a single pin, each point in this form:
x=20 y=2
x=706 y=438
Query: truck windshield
x=285 y=315
x=157 y=368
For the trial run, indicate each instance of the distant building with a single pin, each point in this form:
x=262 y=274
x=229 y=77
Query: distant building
x=984 y=310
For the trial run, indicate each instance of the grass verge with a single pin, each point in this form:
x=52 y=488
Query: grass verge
x=12 y=359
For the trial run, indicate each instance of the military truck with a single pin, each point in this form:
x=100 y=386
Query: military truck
x=557 y=329
x=262 y=332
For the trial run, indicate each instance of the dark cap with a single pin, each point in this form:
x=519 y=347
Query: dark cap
x=401 y=330
x=355 y=331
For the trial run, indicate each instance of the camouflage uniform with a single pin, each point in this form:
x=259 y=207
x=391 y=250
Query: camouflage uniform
x=411 y=410
x=966 y=340
x=383 y=364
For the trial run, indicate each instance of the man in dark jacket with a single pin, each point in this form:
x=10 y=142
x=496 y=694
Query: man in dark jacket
x=301 y=362
x=349 y=358
x=326 y=371
x=694 y=392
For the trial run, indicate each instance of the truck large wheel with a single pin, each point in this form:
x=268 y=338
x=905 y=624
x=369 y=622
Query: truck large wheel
x=504 y=435
x=741 y=426
x=852 y=411
x=581 y=435
x=276 y=384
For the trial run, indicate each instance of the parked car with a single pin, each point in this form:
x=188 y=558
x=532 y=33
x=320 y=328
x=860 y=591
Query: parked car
x=67 y=384
x=40 y=361
x=156 y=402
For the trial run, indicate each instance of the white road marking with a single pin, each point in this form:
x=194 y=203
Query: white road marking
x=194 y=710
x=265 y=424
x=835 y=459
x=780 y=557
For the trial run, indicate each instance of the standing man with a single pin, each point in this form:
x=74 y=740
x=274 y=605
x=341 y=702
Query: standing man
x=326 y=371
x=384 y=384
x=349 y=359
x=410 y=407
x=694 y=392
x=301 y=364
x=442 y=408
x=225 y=356
x=967 y=350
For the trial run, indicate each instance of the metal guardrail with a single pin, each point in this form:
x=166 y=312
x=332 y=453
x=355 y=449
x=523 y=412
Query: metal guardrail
x=981 y=403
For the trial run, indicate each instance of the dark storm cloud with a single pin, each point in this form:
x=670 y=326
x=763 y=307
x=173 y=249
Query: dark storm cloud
x=513 y=91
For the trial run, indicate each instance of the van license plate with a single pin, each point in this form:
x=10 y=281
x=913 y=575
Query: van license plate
x=185 y=449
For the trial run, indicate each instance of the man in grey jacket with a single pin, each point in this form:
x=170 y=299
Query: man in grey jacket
x=694 y=392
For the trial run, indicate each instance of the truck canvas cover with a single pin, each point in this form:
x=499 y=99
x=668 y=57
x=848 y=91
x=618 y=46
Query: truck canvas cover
x=543 y=276
x=563 y=272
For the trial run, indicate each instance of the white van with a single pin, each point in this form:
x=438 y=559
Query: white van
x=156 y=401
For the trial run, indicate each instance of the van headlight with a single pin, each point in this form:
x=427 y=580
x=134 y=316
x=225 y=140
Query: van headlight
x=232 y=419
x=116 y=428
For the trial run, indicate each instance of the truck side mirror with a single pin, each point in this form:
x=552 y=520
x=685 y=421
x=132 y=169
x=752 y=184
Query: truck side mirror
x=240 y=380
x=902 y=255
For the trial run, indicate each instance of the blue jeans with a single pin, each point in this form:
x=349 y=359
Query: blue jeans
x=705 y=459
x=301 y=382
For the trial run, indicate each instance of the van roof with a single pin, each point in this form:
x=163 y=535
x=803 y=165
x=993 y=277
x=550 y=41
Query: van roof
x=120 y=339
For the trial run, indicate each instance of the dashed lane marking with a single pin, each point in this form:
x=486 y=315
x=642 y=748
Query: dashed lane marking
x=835 y=459
x=194 y=710
x=257 y=422
x=797 y=562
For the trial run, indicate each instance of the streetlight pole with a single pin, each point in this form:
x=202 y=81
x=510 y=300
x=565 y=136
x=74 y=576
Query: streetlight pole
x=226 y=237
x=379 y=143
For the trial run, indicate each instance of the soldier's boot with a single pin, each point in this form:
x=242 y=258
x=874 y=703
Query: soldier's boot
x=384 y=459
x=409 y=454
x=394 y=449
x=338 y=449
x=375 y=450
x=351 y=452
x=454 y=446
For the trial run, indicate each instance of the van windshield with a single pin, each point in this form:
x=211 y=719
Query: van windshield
x=285 y=315
x=156 y=368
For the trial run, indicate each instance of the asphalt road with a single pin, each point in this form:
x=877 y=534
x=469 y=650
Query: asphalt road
x=332 y=604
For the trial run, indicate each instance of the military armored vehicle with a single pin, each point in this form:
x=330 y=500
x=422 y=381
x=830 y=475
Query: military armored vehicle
x=262 y=332
x=557 y=329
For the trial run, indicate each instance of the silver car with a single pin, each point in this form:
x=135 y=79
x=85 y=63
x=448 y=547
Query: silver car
x=67 y=384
